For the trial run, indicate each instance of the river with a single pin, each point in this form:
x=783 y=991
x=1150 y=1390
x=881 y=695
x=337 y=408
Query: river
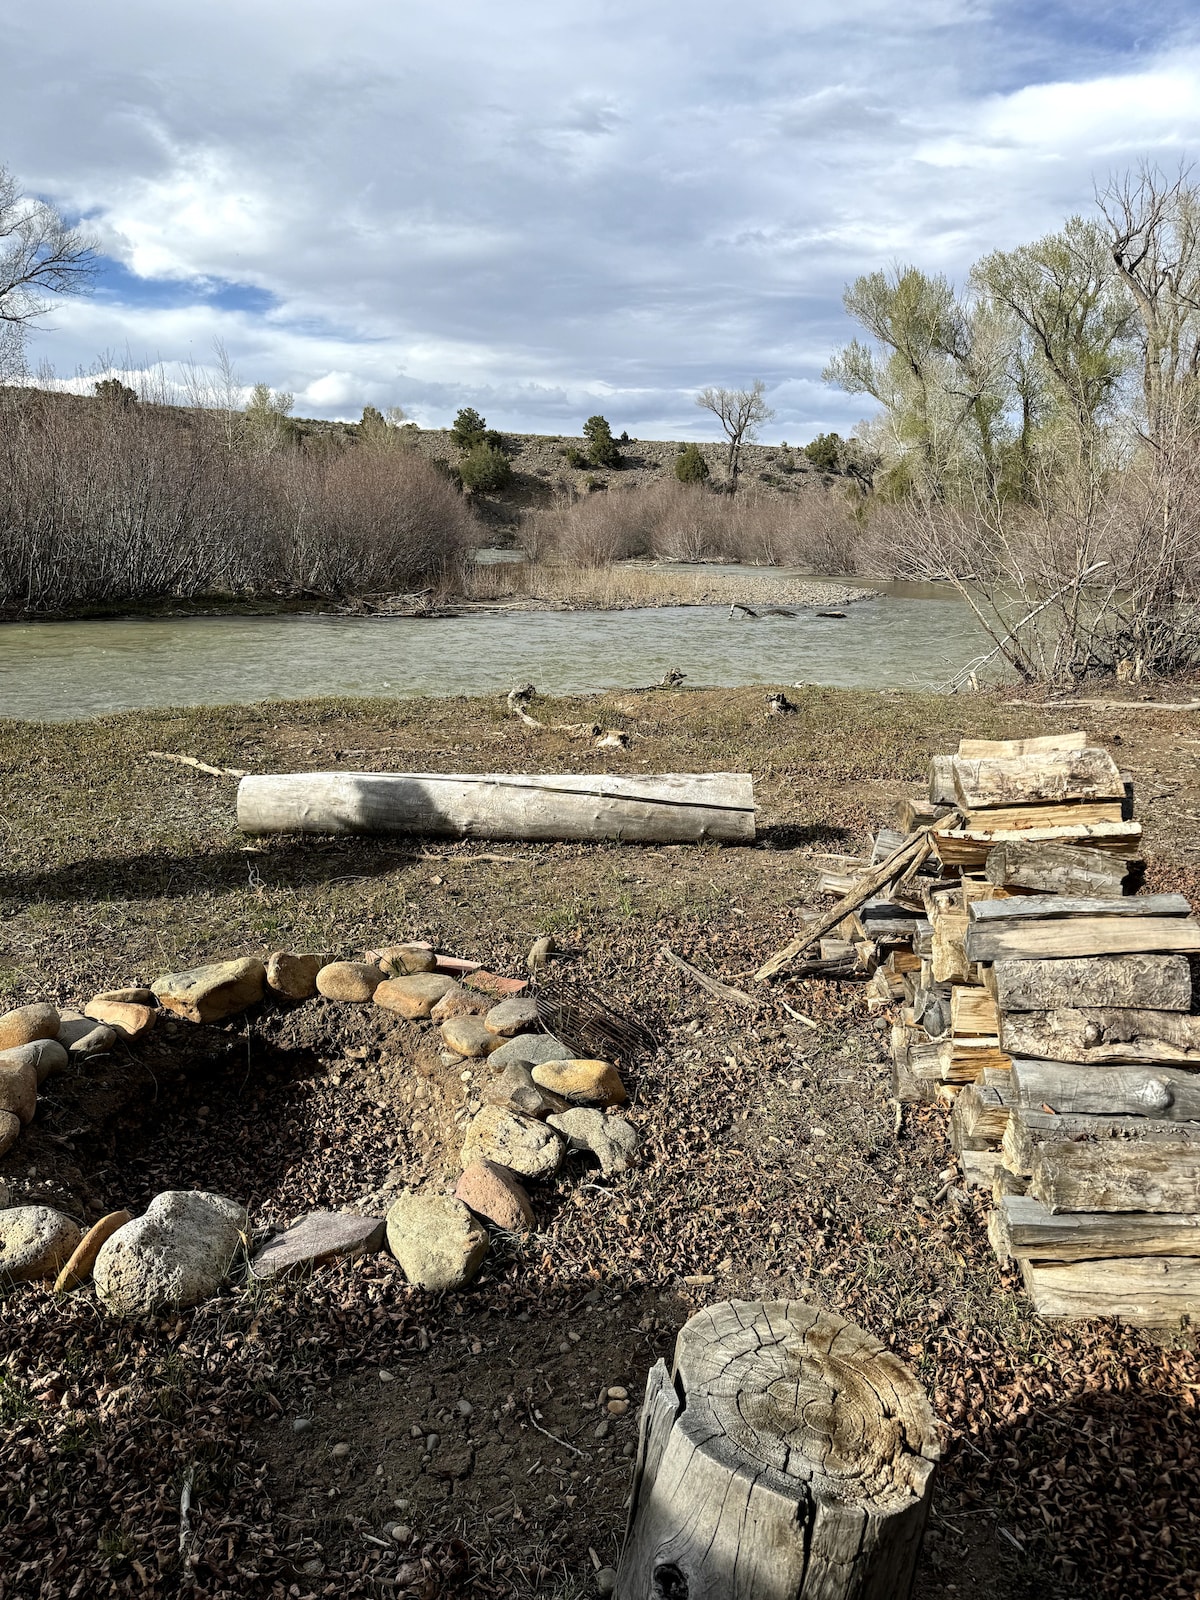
x=905 y=637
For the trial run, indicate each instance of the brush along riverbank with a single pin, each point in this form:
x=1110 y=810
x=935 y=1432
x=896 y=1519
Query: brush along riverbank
x=770 y=1170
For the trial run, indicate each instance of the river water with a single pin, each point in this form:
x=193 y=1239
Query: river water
x=905 y=637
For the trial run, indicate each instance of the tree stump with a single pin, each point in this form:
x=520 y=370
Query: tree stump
x=787 y=1457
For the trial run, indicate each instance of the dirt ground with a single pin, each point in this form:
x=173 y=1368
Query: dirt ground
x=480 y=1456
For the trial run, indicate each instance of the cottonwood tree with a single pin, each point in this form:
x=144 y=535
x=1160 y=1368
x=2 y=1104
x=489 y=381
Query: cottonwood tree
x=741 y=412
x=40 y=256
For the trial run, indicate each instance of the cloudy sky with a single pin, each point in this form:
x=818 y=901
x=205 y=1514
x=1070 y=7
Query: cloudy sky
x=549 y=209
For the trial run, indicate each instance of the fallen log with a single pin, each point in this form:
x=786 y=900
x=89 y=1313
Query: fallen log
x=788 y=1454
x=1049 y=777
x=673 y=808
x=1169 y=1094
x=1130 y=982
x=1058 y=869
x=970 y=847
x=720 y=991
x=1106 y=1175
x=1026 y=1129
x=1042 y=907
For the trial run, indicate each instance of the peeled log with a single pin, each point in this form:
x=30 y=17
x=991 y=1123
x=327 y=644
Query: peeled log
x=1132 y=982
x=673 y=808
x=788 y=1457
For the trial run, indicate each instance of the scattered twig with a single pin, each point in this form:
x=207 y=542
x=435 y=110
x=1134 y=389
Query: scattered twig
x=574 y=1451
x=200 y=766
x=185 y=1512
x=722 y=991
x=799 y=1015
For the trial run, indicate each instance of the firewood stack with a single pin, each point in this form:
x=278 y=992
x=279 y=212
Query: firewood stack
x=1053 y=1011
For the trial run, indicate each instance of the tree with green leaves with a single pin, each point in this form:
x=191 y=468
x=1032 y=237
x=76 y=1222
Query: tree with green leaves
x=115 y=393
x=690 y=465
x=602 y=448
x=468 y=430
x=266 y=421
x=741 y=412
x=486 y=469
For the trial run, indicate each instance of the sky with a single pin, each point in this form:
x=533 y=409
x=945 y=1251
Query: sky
x=545 y=210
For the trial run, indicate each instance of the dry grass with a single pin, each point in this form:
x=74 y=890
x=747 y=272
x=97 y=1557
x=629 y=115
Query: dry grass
x=620 y=588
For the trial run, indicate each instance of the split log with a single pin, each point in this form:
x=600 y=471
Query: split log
x=672 y=808
x=1107 y=1175
x=787 y=1455
x=1030 y=821
x=1058 y=869
x=982 y=1114
x=1130 y=982
x=885 y=843
x=974 y=1011
x=1027 y=1129
x=1081 y=936
x=1151 y=1292
x=1096 y=1034
x=1006 y=749
x=1050 y=777
x=970 y=847
x=914 y=814
x=1041 y=907
x=941 y=781
x=1170 y=1094
x=1021 y=1226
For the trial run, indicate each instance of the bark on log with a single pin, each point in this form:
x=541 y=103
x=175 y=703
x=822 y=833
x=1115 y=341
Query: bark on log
x=1044 y=907
x=1080 y=936
x=1132 y=982
x=1153 y=1292
x=1021 y=1226
x=1100 y=1034
x=1106 y=1175
x=1058 y=869
x=788 y=1456
x=1169 y=1094
x=1049 y=777
x=1027 y=1129
x=673 y=808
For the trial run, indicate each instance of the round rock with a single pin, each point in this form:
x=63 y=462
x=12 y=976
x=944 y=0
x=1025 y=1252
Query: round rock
x=10 y=1127
x=28 y=1023
x=353 y=982
x=34 y=1242
x=45 y=1056
x=18 y=1089
x=84 y=1036
x=531 y=1048
x=613 y=1140
x=513 y=1016
x=127 y=1019
x=467 y=1036
x=436 y=1240
x=519 y=1143
x=293 y=975
x=128 y=997
x=175 y=1255
x=401 y=960
x=459 y=1002
x=595 y=1083
x=414 y=996
x=494 y=1194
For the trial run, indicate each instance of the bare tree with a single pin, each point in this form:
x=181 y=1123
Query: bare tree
x=40 y=256
x=741 y=412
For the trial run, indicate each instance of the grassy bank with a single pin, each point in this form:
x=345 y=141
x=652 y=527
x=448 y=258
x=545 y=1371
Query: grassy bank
x=771 y=1169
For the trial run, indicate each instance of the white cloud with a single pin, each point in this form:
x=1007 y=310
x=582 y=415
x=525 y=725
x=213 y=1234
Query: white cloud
x=545 y=212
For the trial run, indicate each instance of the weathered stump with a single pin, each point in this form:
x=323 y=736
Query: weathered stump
x=787 y=1457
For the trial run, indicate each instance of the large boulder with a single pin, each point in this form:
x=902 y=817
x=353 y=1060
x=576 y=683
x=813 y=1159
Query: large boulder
x=414 y=996
x=129 y=1019
x=34 y=1242
x=519 y=1143
x=316 y=1238
x=175 y=1255
x=613 y=1140
x=28 y=1023
x=596 y=1083
x=436 y=1240
x=210 y=993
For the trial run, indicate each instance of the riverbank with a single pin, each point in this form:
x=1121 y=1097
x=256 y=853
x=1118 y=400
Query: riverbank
x=771 y=1168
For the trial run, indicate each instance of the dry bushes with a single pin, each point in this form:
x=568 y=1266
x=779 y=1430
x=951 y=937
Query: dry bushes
x=102 y=501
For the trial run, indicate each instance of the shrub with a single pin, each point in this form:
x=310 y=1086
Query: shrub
x=486 y=468
x=574 y=456
x=467 y=430
x=602 y=447
x=690 y=465
x=825 y=452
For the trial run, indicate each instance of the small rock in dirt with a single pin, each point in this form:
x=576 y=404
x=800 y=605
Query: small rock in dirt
x=594 y=1082
x=83 y=1258
x=468 y=1036
x=399 y=960
x=600 y=1431
x=340 y=1451
x=614 y=1140
x=458 y=1002
x=83 y=1036
x=400 y=1532
x=531 y=1048
x=45 y=1056
x=210 y=993
x=516 y=1090
x=316 y=1238
x=493 y=1193
x=511 y=1017
x=127 y=1021
x=415 y=996
x=465 y=1408
x=539 y=950
x=301 y=1424
x=617 y=1392
x=293 y=975
x=436 y=1240
x=18 y=1088
x=606 y=1580
x=617 y=1408
x=28 y=1023
x=453 y=1463
x=353 y=982
x=10 y=1127
x=175 y=1255
x=34 y=1242
x=521 y=1144
x=128 y=997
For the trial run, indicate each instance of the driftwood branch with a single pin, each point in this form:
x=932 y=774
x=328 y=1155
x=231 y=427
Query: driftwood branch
x=722 y=991
x=866 y=886
x=604 y=738
x=200 y=766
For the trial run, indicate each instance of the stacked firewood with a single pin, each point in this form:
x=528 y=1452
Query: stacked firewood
x=1053 y=1011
